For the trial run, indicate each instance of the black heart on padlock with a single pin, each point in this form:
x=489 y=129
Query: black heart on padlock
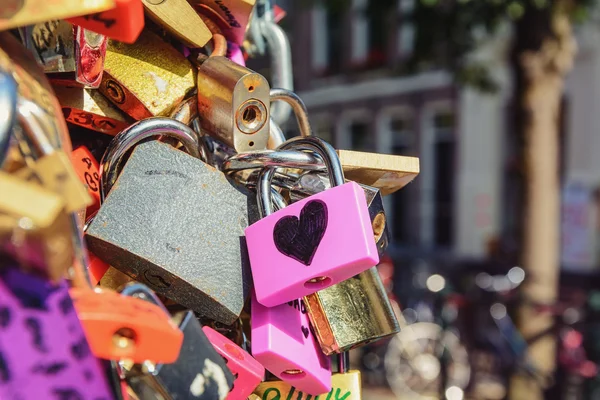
x=299 y=238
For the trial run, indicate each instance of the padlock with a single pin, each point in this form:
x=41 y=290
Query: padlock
x=35 y=228
x=386 y=172
x=147 y=78
x=233 y=103
x=119 y=327
x=87 y=169
x=232 y=16
x=70 y=55
x=90 y=109
x=199 y=372
x=248 y=372
x=8 y=103
x=44 y=353
x=34 y=86
x=283 y=343
x=308 y=184
x=149 y=245
x=345 y=385
x=180 y=20
x=17 y=13
x=317 y=242
x=352 y=313
x=124 y=22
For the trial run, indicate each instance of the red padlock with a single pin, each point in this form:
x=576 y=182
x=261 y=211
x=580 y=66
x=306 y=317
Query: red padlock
x=247 y=371
x=123 y=23
x=87 y=169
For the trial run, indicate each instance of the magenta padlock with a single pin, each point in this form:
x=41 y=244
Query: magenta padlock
x=234 y=53
x=43 y=350
x=247 y=371
x=313 y=243
x=283 y=343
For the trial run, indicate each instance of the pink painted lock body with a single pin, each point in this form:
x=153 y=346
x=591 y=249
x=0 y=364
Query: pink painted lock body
x=248 y=372
x=286 y=253
x=283 y=341
x=234 y=53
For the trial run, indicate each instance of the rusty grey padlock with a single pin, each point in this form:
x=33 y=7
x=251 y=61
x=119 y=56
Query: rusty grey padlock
x=174 y=223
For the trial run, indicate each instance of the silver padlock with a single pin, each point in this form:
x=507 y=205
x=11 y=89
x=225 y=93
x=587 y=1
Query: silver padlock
x=174 y=223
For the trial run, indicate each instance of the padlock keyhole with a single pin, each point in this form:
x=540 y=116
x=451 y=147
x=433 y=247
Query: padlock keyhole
x=320 y=282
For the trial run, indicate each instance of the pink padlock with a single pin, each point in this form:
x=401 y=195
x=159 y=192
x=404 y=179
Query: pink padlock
x=234 y=53
x=314 y=243
x=247 y=371
x=283 y=342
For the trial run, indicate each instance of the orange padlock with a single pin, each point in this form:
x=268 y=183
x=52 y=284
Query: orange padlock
x=87 y=169
x=124 y=22
x=121 y=327
x=97 y=268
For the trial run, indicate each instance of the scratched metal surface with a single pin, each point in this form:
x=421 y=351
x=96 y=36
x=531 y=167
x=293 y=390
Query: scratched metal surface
x=177 y=225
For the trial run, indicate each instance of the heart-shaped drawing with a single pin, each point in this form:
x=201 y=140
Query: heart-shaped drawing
x=305 y=332
x=300 y=238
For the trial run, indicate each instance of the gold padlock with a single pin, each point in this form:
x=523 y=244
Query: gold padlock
x=70 y=55
x=179 y=18
x=233 y=104
x=386 y=172
x=147 y=78
x=232 y=16
x=90 y=109
x=17 y=13
x=34 y=227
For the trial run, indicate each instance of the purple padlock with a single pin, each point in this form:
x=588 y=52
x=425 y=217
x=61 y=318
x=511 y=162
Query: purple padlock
x=44 y=353
x=283 y=343
x=314 y=243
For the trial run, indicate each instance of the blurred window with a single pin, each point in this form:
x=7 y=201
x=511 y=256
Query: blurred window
x=323 y=128
x=360 y=136
x=334 y=39
x=379 y=15
x=444 y=178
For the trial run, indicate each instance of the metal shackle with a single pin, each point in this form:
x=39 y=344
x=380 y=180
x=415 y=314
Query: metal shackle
x=112 y=160
x=314 y=144
x=8 y=111
x=273 y=158
x=297 y=105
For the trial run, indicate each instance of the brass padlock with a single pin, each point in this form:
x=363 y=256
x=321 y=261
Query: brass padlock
x=147 y=78
x=34 y=227
x=233 y=104
x=232 y=16
x=90 y=109
x=352 y=313
x=162 y=251
x=70 y=55
x=386 y=172
x=17 y=13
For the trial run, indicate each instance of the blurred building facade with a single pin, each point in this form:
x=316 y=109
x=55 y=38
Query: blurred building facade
x=464 y=198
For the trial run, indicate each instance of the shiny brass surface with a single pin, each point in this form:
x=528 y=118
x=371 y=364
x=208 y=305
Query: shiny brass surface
x=386 y=172
x=351 y=313
x=345 y=386
x=34 y=227
x=233 y=104
x=147 y=78
x=90 y=109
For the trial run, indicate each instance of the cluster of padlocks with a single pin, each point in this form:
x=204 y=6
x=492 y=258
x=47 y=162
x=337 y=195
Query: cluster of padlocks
x=204 y=256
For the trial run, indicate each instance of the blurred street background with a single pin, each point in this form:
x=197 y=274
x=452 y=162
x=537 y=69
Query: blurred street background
x=495 y=257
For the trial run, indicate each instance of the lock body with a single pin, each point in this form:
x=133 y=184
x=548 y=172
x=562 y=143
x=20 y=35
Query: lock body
x=88 y=108
x=283 y=343
x=43 y=349
x=188 y=240
x=352 y=313
x=232 y=16
x=311 y=245
x=386 y=172
x=234 y=103
x=198 y=373
x=86 y=166
x=69 y=54
x=247 y=371
x=147 y=78
x=345 y=386
x=46 y=243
